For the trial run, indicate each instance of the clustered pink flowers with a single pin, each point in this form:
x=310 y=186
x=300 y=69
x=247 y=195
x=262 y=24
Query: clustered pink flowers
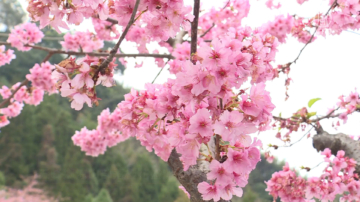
x=347 y=104
x=229 y=16
x=105 y=30
x=227 y=178
x=6 y=56
x=337 y=178
x=188 y=111
x=84 y=41
x=77 y=80
x=279 y=27
x=41 y=78
x=25 y=34
x=31 y=96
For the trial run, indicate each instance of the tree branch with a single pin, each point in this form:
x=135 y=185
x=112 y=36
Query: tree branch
x=95 y=54
x=338 y=142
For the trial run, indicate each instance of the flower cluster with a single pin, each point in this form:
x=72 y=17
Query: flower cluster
x=25 y=34
x=227 y=178
x=299 y=30
x=270 y=4
x=31 y=96
x=41 y=77
x=6 y=56
x=227 y=17
x=279 y=28
x=162 y=18
x=105 y=30
x=85 y=41
x=337 y=178
x=77 y=79
x=348 y=105
x=188 y=111
x=55 y=12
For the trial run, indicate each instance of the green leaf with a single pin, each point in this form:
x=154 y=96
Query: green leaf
x=312 y=101
x=311 y=114
x=280 y=115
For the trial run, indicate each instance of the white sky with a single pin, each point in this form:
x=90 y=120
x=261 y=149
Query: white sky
x=326 y=69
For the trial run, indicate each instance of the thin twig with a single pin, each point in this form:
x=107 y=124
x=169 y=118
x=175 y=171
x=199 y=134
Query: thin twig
x=317 y=165
x=207 y=31
x=160 y=72
x=312 y=36
x=95 y=54
x=312 y=127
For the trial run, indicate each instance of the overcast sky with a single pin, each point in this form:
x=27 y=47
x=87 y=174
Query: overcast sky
x=326 y=69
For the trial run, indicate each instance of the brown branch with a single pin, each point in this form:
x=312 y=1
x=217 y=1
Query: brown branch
x=309 y=121
x=194 y=28
x=112 y=20
x=95 y=54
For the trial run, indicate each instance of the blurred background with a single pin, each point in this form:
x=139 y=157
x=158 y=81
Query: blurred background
x=38 y=143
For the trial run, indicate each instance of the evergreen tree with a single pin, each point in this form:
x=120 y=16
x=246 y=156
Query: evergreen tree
x=48 y=167
x=2 y=179
x=72 y=180
x=89 y=198
x=91 y=182
x=103 y=196
x=115 y=185
x=169 y=191
x=144 y=176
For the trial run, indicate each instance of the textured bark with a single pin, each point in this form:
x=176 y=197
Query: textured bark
x=338 y=142
x=190 y=178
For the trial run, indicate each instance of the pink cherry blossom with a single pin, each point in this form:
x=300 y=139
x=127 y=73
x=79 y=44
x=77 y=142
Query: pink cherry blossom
x=25 y=34
x=201 y=123
x=6 y=56
x=219 y=172
x=209 y=191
